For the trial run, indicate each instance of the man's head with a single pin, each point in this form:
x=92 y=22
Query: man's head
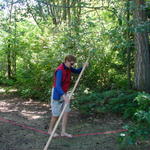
x=70 y=60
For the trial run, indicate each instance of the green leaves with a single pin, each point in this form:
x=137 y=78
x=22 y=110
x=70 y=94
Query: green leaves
x=143 y=116
x=116 y=101
x=143 y=100
x=139 y=130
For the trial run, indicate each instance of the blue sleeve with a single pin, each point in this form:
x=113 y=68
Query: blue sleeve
x=59 y=82
x=76 y=70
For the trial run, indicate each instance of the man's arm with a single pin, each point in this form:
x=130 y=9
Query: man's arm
x=59 y=82
x=59 y=86
x=76 y=70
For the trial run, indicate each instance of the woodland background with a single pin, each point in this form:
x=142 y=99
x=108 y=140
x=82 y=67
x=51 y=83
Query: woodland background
x=36 y=35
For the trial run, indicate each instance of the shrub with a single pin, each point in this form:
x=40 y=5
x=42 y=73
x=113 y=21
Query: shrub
x=116 y=101
x=140 y=128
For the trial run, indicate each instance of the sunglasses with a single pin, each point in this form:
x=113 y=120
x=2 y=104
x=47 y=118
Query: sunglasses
x=71 y=64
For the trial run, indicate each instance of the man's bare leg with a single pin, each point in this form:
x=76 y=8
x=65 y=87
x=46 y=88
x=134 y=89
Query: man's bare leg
x=64 y=125
x=52 y=124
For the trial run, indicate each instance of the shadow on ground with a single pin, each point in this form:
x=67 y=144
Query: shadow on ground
x=37 y=115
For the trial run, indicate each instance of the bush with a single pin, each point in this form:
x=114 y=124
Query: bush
x=8 y=82
x=34 y=82
x=139 y=130
x=88 y=103
x=116 y=101
x=123 y=104
x=129 y=104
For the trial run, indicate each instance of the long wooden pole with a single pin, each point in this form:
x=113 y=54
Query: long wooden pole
x=56 y=125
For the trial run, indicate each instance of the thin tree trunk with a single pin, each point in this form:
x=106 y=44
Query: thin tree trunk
x=129 y=48
x=68 y=12
x=142 y=65
x=14 y=49
x=9 y=62
x=64 y=10
x=9 y=51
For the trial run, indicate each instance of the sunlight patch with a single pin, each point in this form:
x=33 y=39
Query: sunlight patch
x=2 y=90
x=32 y=114
x=31 y=102
x=5 y=107
x=13 y=90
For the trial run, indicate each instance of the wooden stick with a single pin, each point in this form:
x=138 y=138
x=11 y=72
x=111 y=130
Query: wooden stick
x=56 y=125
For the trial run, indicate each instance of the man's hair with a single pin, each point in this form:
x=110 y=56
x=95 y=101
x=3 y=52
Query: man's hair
x=70 y=58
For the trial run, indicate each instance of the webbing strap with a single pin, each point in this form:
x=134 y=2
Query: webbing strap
x=46 y=133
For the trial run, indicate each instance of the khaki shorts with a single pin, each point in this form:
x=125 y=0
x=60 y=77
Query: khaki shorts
x=57 y=106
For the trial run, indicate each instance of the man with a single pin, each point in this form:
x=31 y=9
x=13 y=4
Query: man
x=62 y=79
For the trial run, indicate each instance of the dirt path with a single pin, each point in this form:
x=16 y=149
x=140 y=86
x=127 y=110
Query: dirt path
x=36 y=115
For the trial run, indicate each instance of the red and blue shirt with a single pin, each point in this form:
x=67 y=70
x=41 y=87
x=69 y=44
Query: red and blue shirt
x=62 y=80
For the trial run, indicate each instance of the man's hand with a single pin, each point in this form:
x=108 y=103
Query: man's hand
x=86 y=64
x=67 y=100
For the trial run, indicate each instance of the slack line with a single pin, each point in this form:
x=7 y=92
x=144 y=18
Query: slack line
x=57 y=123
x=46 y=133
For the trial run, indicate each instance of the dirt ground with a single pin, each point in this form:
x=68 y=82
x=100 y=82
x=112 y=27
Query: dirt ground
x=37 y=115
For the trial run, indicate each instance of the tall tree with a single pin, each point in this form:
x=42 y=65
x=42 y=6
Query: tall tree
x=129 y=47
x=9 y=26
x=9 y=51
x=142 y=65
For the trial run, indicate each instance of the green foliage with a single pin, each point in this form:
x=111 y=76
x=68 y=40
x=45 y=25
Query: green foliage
x=139 y=130
x=136 y=133
x=116 y=101
x=142 y=115
x=143 y=100
x=39 y=43
x=123 y=104
x=35 y=80
x=5 y=81
x=130 y=104
x=39 y=49
x=87 y=104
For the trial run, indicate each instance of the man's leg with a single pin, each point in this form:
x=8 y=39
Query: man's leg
x=64 y=125
x=52 y=124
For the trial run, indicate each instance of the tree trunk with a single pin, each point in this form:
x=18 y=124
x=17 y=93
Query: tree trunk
x=64 y=10
x=129 y=48
x=9 y=71
x=142 y=65
x=9 y=62
x=14 y=47
x=68 y=12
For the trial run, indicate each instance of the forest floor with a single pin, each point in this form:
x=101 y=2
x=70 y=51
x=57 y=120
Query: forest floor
x=23 y=120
